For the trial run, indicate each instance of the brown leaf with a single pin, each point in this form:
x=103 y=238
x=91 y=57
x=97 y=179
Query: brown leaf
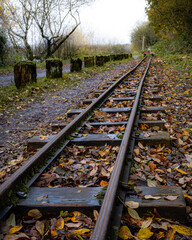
x=16 y=236
x=96 y=214
x=136 y=151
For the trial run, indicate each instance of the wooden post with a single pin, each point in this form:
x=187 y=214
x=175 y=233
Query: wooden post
x=76 y=65
x=89 y=61
x=54 y=68
x=25 y=72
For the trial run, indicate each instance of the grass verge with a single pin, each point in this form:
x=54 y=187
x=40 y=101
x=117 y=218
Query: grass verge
x=182 y=64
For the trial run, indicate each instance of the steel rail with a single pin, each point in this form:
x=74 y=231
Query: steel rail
x=42 y=154
x=101 y=227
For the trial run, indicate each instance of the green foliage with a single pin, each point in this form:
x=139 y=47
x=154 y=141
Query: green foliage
x=105 y=49
x=177 y=45
x=144 y=30
x=3 y=41
x=170 y=17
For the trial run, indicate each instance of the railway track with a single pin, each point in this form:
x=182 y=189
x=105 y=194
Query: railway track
x=86 y=167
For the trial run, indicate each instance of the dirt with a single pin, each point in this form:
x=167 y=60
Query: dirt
x=35 y=117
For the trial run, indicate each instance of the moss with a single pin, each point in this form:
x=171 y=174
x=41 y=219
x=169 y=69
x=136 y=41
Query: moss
x=54 y=59
x=28 y=62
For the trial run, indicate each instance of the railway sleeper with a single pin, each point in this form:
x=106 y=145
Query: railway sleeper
x=56 y=199
x=155 y=98
x=116 y=110
x=175 y=209
x=102 y=139
x=160 y=124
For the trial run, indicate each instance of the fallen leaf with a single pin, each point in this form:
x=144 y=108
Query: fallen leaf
x=96 y=214
x=132 y=204
x=171 y=198
x=182 y=230
x=152 y=166
x=94 y=170
x=81 y=231
x=146 y=223
x=103 y=183
x=57 y=226
x=2 y=174
x=181 y=171
x=185 y=195
x=16 y=236
x=141 y=145
x=125 y=233
x=11 y=222
x=104 y=172
x=144 y=233
x=133 y=213
x=15 y=229
x=40 y=227
x=35 y=213
x=73 y=225
x=151 y=183
x=136 y=151
x=76 y=216
x=148 y=197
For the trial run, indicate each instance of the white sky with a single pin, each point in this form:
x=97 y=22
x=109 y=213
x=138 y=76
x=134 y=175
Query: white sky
x=112 y=20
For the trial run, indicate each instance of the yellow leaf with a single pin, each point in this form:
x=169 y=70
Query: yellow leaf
x=35 y=213
x=182 y=230
x=185 y=195
x=2 y=174
x=81 y=232
x=58 y=225
x=42 y=138
x=143 y=126
x=76 y=216
x=15 y=229
x=169 y=98
x=181 y=171
x=144 y=233
x=125 y=233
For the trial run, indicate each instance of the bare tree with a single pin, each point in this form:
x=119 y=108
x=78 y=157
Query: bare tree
x=50 y=21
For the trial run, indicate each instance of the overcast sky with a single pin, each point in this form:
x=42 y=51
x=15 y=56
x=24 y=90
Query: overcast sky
x=112 y=20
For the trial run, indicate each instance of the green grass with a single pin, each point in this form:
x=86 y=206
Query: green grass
x=11 y=96
x=6 y=69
